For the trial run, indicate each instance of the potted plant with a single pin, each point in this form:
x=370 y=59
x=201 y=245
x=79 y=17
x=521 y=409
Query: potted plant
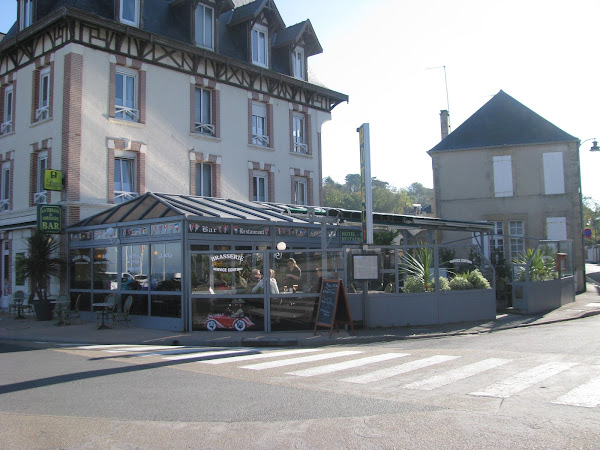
x=37 y=267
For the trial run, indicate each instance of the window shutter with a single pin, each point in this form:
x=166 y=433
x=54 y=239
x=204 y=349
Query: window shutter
x=556 y=228
x=554 y=176
x=503 y=181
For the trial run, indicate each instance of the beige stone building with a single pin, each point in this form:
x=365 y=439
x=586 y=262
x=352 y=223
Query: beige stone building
x=208 y=97
x=510 y=166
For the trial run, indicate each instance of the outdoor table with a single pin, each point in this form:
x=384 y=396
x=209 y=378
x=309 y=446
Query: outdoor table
x=104 y=312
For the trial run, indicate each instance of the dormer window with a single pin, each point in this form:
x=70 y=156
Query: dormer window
x=298 y=63
x=260 y=50
x=129 y=12
x=25 y=13
x=205 y=27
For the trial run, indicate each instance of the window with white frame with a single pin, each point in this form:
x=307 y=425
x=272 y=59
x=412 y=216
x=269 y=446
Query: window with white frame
x=5 y=190
x=129 y=12
x=259 y=188
x=298 y=63
x=300 y=197
x=25 y=13
x=7 y=118
x=259 y=125
x=204 y=26
x=43 y=110
x=503 y=181
x=203 y=117
x=260 y=49
x=204 y=173
x=41 y=196
x=554 y=174
x=497 y=239
x=125 y=96
x=517 y=237
x=124 y=180
x=299 y=134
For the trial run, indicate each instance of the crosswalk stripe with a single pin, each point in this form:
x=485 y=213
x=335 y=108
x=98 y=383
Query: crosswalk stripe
x=523 y=380
x=101 y=346
x=140 y=348
x=301 y=360
x=460 y=373
x=271 y=354
x=346 y=365
x=587 y=395
x=201 y=355
x=382 y=374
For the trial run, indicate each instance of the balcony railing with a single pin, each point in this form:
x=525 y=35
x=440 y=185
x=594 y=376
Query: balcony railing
x=300 y=147
x=204 y=128
x=40 y=198
x=6 y=127
x=42 y=113
x=4 y=205
x=123 y=112
x=259 y=139
x=123 y=196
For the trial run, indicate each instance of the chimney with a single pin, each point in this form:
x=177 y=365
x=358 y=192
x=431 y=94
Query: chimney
x=444 y=123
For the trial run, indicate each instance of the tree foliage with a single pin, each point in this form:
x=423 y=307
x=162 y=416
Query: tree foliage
x=591 y=219
x=386 y=198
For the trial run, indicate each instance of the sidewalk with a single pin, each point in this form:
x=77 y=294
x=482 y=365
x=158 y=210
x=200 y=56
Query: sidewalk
x=586 y=304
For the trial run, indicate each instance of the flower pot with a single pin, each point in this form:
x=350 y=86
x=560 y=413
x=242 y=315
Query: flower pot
x=43 y=309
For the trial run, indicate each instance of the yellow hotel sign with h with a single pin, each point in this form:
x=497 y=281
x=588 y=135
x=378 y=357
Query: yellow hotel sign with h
x=53 y=180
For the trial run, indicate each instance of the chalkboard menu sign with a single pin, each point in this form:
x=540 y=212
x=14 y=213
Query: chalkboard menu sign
x=333 y=306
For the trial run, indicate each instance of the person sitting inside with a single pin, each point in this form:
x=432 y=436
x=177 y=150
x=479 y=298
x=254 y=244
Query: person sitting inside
x=273 y=288
x=237 y=310
x=253 y=280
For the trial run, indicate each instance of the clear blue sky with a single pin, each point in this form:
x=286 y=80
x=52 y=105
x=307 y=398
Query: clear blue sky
x=541 y=52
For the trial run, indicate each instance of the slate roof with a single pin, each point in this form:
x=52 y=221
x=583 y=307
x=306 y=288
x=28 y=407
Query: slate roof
x=502 y=121
x=294 y=33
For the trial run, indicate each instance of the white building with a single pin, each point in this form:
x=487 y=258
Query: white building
x=178 y=96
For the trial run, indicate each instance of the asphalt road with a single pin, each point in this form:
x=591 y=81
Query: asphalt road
x=536 y=387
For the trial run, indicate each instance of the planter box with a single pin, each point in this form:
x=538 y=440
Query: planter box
x=541 y=296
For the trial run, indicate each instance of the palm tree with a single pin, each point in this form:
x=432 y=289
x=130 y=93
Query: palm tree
x=40 y=264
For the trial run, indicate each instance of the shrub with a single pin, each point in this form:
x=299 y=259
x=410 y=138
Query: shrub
x=414 y=284
x=444 y=284
x=477 y=280
x=460 y=282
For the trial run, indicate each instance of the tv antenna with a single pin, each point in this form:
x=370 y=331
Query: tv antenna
x=447 y=98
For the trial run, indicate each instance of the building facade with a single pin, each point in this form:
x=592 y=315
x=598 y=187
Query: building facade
x=509 y=166
x=208 y=98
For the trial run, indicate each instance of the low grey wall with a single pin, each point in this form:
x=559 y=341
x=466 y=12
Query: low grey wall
x=540 y=296
x=427 y=308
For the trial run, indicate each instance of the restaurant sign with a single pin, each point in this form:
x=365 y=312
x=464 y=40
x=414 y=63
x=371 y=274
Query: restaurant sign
x=351 y=236
x=49 y=219
x=209 y=229
x=256 y=230
x=227 y=262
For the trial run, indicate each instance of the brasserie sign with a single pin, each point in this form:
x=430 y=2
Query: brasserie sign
x=227 y=262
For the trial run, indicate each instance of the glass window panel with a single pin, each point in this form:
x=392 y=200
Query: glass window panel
x=135 y=265
x=166 y=267
x=128 y=10
x=81 y=269
x=208 y=27
x=105 y=268
x=130 y=91
x=165 y=305
x=119 y=89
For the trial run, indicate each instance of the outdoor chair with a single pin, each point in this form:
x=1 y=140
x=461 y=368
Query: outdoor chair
x=73 y=312
x=123 y=316
x=19 y=298
x=61 y=308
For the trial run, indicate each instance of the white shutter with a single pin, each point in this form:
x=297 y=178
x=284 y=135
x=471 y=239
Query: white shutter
x=503 y=181
x=554 y=176
x=556 y=228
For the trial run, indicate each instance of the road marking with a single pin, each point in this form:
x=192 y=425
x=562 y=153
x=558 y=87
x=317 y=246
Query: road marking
x=97 y=347
x=460 y=373
x=523 y=380
x=594 y=304
x=346 y=365
x=206 y=354
x=141 y=348
x=271 y=354
x=301 y=360
x=587 y=395
x=382 y=374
